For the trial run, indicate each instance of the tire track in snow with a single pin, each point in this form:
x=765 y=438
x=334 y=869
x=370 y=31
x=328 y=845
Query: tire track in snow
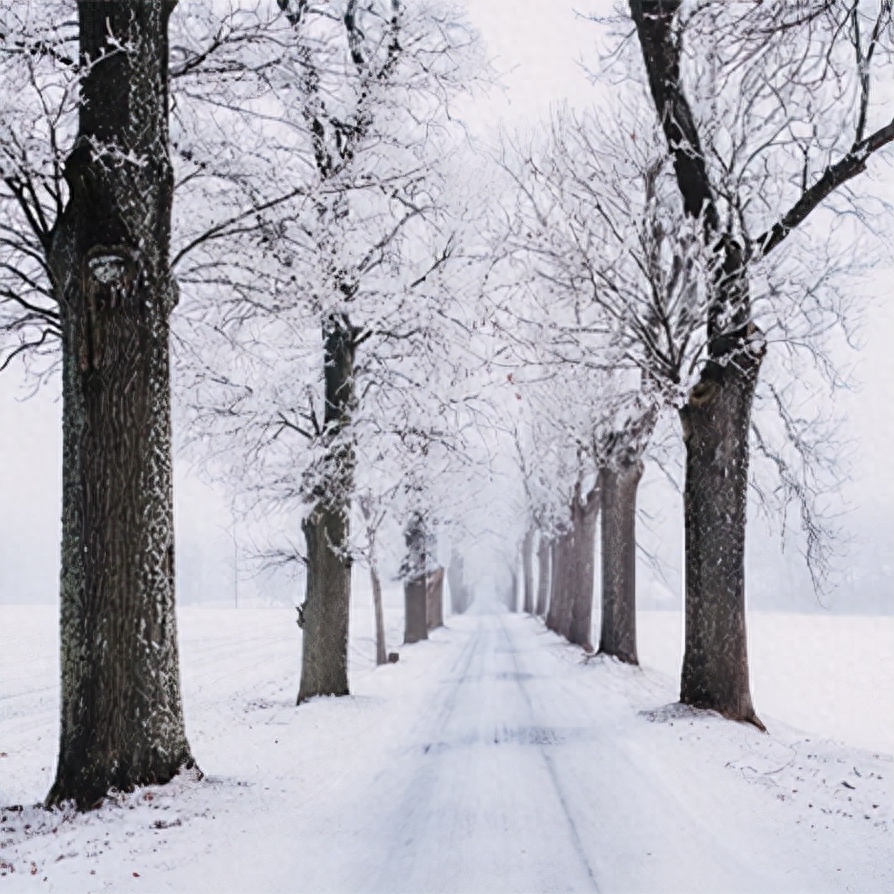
x=419 y=791
x=665 y=822
x=479 y=802
x=520 y=680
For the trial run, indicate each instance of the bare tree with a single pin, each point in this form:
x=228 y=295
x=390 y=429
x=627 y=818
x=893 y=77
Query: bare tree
x=41 y=67
x=611 y=308
x=788 y=90
x=108 y=258
x=86 y=186
x=326 y=326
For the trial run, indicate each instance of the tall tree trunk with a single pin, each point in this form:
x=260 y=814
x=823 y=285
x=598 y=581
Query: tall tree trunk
x=566 y=557
x=716 y=423
x=619 y=486
x=716 y=418
x=375 y=581
x=553 y=603
x=414 y=572
x=528 y=572
x=434 y=598
x=122 y=718
x=558 y=616
x=585 y=512
x=543 y=575
x=415 y=610
x=324 y=660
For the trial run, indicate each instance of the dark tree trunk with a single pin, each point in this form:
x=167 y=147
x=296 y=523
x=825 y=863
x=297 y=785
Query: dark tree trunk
x=122 y=718
x=434 y=598
x=580 y=569
x=528 y=572
x=543 y=575
x=415 y=610
x=416 y=580
x=558 y=616
x=716 y=419
x=715 y=430
x=324 y=656
x=553 y=602
x=324 y=660
x=618 y=632
x=381 y=651
x=566 y=557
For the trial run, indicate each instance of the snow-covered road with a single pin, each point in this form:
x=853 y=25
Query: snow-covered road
x=491 y=758
x=520 y=773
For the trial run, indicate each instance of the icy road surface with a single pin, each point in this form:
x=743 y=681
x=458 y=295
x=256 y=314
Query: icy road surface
x=492 y=758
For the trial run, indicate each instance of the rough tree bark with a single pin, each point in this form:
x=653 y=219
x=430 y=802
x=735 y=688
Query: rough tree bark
x=618 y=629
x=381 y=651
x=558 y=615
x=543 y=575
x=715 y=429
x=324 y=659
x=434 y=598
x=415 y=581
x=584 y=514
x=122 y=718
x=415 y=615
x=717 y=415
x=528 y=572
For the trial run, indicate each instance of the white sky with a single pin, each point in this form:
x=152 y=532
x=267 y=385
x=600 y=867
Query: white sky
x=537 y=48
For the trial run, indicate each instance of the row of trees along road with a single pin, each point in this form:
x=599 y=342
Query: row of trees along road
x=650 y=274
x=291 y=174
x=302 y=170
x=346 y=282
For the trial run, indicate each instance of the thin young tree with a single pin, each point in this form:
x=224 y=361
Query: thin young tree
x=372 y=521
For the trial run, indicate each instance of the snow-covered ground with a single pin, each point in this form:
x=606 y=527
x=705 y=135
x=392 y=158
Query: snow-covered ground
x=491 y=758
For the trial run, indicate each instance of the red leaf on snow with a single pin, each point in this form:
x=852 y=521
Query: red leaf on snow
x=136 y=875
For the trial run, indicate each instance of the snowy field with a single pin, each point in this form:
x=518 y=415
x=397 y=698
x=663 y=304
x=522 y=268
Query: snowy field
x=492 y=758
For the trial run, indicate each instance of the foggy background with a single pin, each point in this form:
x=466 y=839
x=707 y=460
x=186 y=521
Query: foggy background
x=537 y=48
